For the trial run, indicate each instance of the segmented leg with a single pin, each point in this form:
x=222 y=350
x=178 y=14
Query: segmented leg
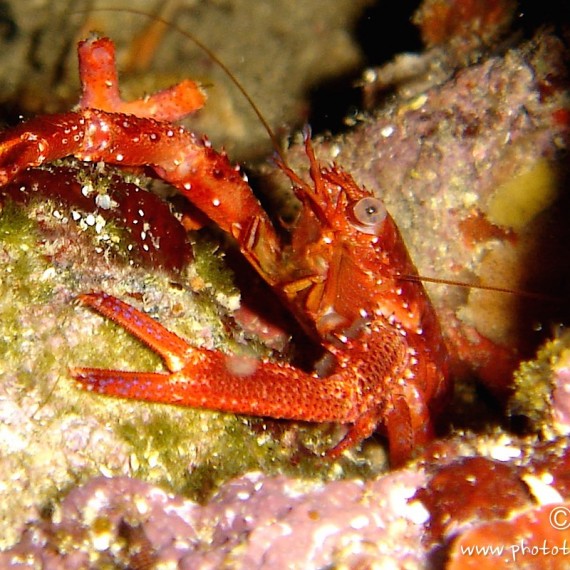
x=108 y=129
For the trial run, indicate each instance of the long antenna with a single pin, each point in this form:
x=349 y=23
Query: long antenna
x=496 y=289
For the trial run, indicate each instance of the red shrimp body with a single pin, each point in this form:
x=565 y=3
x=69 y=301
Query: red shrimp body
x=339 y=272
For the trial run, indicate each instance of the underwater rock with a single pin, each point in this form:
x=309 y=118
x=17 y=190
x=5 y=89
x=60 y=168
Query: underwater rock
x=253 y=522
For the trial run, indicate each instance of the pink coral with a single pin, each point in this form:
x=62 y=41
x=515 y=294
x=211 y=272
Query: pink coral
x=255 y=521
x=467 y=487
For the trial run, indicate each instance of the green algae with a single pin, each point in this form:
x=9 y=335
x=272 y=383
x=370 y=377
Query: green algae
x=110 y=346
x=196 y=450
x=24 y=282
x=209 y=265
x=533 y=385
x=18 y=238
x=191 y=451
x=16 y=228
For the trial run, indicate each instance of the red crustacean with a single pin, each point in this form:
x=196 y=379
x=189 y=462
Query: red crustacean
x=339 y=271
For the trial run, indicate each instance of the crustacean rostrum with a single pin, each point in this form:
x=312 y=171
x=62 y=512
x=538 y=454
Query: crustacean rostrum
x=339 y=271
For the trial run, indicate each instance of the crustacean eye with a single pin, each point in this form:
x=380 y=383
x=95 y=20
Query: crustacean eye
x=369 y=213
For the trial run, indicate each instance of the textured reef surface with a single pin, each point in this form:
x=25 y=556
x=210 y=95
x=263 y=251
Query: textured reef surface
x=466 y=143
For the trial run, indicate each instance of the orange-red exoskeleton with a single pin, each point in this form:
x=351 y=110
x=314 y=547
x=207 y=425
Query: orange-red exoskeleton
x=338 y=271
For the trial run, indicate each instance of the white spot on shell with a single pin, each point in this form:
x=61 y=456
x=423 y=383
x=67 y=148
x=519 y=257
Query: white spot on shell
x=104 y=201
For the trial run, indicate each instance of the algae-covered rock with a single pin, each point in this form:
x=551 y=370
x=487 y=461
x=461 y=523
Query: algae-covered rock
x=542 y=388
x=253 y=522
x=53 y=433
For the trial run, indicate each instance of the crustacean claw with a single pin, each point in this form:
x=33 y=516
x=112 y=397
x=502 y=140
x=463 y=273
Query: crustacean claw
x=211 y=379
x=100 y=87
x=117 y=134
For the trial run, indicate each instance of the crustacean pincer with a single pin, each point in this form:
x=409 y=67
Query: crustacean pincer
x=340 y=270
